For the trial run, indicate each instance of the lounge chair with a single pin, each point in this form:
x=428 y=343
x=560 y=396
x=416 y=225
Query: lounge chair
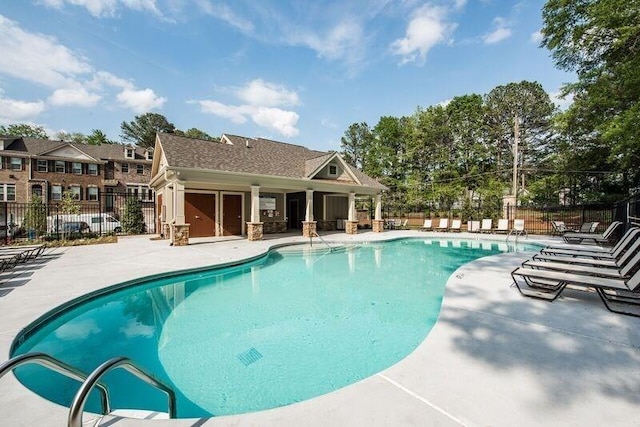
x=619 y=268
x=473 y=226
x=443 y=225
x=549 y=284
x=608 y=259
x=428 y=225
x=595 y=252
x=486 y=226
x=402 y=225
x=605 y=237
x=518 y=228
x=455 y=225
x=503 y=226
x=559 y=228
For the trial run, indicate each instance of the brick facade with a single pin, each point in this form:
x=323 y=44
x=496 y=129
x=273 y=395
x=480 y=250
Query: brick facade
x=46 y=166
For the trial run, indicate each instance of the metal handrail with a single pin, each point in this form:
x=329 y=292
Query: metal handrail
x=56 y=366
x=77 y=406
x=319 y=237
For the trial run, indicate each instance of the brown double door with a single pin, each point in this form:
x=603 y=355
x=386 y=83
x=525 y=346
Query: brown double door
x=200 y=213
x=231 y=214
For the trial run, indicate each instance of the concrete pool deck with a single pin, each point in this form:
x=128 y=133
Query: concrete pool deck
x=493 y=358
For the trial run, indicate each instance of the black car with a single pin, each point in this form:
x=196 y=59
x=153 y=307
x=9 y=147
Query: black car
x=76 y=227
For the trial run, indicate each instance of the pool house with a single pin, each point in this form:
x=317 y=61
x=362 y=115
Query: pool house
x=254 y=186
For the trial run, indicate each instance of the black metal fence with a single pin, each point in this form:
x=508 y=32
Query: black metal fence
x=107 y=215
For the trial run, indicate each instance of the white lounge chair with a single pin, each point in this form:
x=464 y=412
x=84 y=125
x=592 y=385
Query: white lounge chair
x=486 y=226
x=518 y=228
x=456 y=224
x=503 y=226
x=443 y=225
x=605 y=237
x=428 y=225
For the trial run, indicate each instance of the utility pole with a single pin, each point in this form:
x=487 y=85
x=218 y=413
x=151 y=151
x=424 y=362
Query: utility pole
x=516 y=132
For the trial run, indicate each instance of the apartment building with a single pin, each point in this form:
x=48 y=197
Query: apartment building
x=49 y=168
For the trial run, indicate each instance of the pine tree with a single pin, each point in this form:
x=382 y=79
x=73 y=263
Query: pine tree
x=133 y=218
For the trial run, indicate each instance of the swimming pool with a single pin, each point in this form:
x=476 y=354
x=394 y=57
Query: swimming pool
x=287 y=327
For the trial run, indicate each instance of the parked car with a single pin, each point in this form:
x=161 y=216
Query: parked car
x=76 y=227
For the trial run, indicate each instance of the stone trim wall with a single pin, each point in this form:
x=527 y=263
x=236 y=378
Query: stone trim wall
x=273 y=227
x=180 y=235
x=378 y=225
x=254 y=231
x=309 y=228
x=327 y=225
x=351 y=227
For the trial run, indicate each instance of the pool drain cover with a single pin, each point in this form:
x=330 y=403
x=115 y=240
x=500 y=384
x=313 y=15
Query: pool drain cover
x=250 y=356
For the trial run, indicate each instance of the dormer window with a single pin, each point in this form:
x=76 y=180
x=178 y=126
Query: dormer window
x=333 y=170
x=149 y=154
x=129 y=152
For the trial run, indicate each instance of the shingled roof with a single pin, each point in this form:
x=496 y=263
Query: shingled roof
x=39 y=147
x=249 y=155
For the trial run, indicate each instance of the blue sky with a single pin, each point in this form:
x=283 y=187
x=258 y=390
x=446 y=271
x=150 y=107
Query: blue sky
x=299 y=71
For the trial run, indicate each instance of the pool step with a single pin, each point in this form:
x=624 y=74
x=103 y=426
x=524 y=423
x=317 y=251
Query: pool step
x=139 y=414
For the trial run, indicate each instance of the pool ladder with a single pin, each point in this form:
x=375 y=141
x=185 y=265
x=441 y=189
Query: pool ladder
x=89 y=381
x=315 y=233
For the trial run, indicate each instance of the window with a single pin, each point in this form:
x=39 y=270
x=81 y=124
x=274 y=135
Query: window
x=43 y=166
x=7 y=192
x=128 y=153
x=142 y=192
x=16 y=164
x=333 y=170
x=92 y=193
x=75 y=191
x=140 y=169
x=36 y=190
x=76 y=168
x=92 y=168
x=125 y=168
x=56 y=192
x=59 y=166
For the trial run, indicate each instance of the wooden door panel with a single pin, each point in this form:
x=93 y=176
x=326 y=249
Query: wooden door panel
x=231 y=214
x=199 y=211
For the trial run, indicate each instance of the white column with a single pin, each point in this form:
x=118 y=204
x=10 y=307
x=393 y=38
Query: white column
x=352 y=206
x=255 y=203
x=378 y=214
x=179 y=202
x=167 y=199
x=308 y=217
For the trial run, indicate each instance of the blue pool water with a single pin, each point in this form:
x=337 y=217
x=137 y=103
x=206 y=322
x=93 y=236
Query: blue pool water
x=284 y=328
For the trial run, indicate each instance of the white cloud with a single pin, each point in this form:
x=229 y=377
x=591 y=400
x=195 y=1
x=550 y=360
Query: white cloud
x=445 y=102
x=562 y=103
x=278 y=120
x=36 y=57
x=224 y=13
x=237 y=114
x=140 y=101
x=12 y=110
x=459 y=4
x=536 y=37
x=78 y=96
x=259 y=92
x=106 y=8
x=428 y=27
x=260 y=99
x=345 y=41
x=500 y=32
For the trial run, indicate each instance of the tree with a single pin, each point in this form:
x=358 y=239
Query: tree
x=142 y=130
x=133 y=217
x=197 y=134
x=600 y=41
x=356 y=144
x=75 y=137
x=22 y=129
x=97 y=137
x=35 y=218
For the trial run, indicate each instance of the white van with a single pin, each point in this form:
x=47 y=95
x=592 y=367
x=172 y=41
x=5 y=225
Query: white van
x=98 y=223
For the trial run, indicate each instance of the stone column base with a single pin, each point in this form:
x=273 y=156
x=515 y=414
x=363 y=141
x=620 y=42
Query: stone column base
x=180 y=234
x=254 y=231
x=309 y=228
x=378 y=225
x=351 y=227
